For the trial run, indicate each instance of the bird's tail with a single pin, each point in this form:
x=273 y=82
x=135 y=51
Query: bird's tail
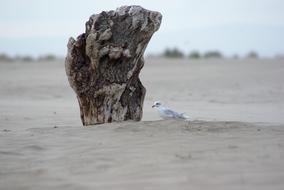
x=184 y=116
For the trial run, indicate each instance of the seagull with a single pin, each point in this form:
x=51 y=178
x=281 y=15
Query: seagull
x=167 y=113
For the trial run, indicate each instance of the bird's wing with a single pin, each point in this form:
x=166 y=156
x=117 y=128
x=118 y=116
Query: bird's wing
x=170 y=113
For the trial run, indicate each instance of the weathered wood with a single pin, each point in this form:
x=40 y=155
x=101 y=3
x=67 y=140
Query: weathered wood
x=104 y=63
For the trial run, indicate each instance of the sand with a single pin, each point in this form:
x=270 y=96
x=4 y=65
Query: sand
x=234 y=141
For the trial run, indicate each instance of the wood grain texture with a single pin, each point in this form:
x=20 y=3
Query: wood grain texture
x=103 y=64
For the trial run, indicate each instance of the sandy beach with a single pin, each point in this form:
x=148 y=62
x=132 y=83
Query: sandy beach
x=235 y=139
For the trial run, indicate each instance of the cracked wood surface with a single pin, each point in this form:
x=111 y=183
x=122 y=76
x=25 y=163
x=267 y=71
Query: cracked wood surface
x=103 y=64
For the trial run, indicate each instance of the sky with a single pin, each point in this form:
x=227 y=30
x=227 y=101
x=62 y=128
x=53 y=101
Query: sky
x=38 y=27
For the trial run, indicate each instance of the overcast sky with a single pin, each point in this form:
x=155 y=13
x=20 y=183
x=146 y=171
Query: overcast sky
x=38 y=27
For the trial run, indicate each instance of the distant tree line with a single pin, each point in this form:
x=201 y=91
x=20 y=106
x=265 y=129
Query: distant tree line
x=168 y=53
x=26 y=58
x=176 y=53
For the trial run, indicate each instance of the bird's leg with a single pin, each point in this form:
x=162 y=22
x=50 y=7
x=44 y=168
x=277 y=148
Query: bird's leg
x=187 y=125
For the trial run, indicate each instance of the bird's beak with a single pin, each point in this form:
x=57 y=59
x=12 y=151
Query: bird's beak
x=153 y=106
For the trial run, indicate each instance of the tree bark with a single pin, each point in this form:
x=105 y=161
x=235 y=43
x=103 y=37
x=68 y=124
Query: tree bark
x=104 y=63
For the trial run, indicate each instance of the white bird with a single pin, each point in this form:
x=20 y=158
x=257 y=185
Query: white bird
x=167 y=113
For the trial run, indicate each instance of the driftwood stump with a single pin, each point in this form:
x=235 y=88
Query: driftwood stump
x=104 y=63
